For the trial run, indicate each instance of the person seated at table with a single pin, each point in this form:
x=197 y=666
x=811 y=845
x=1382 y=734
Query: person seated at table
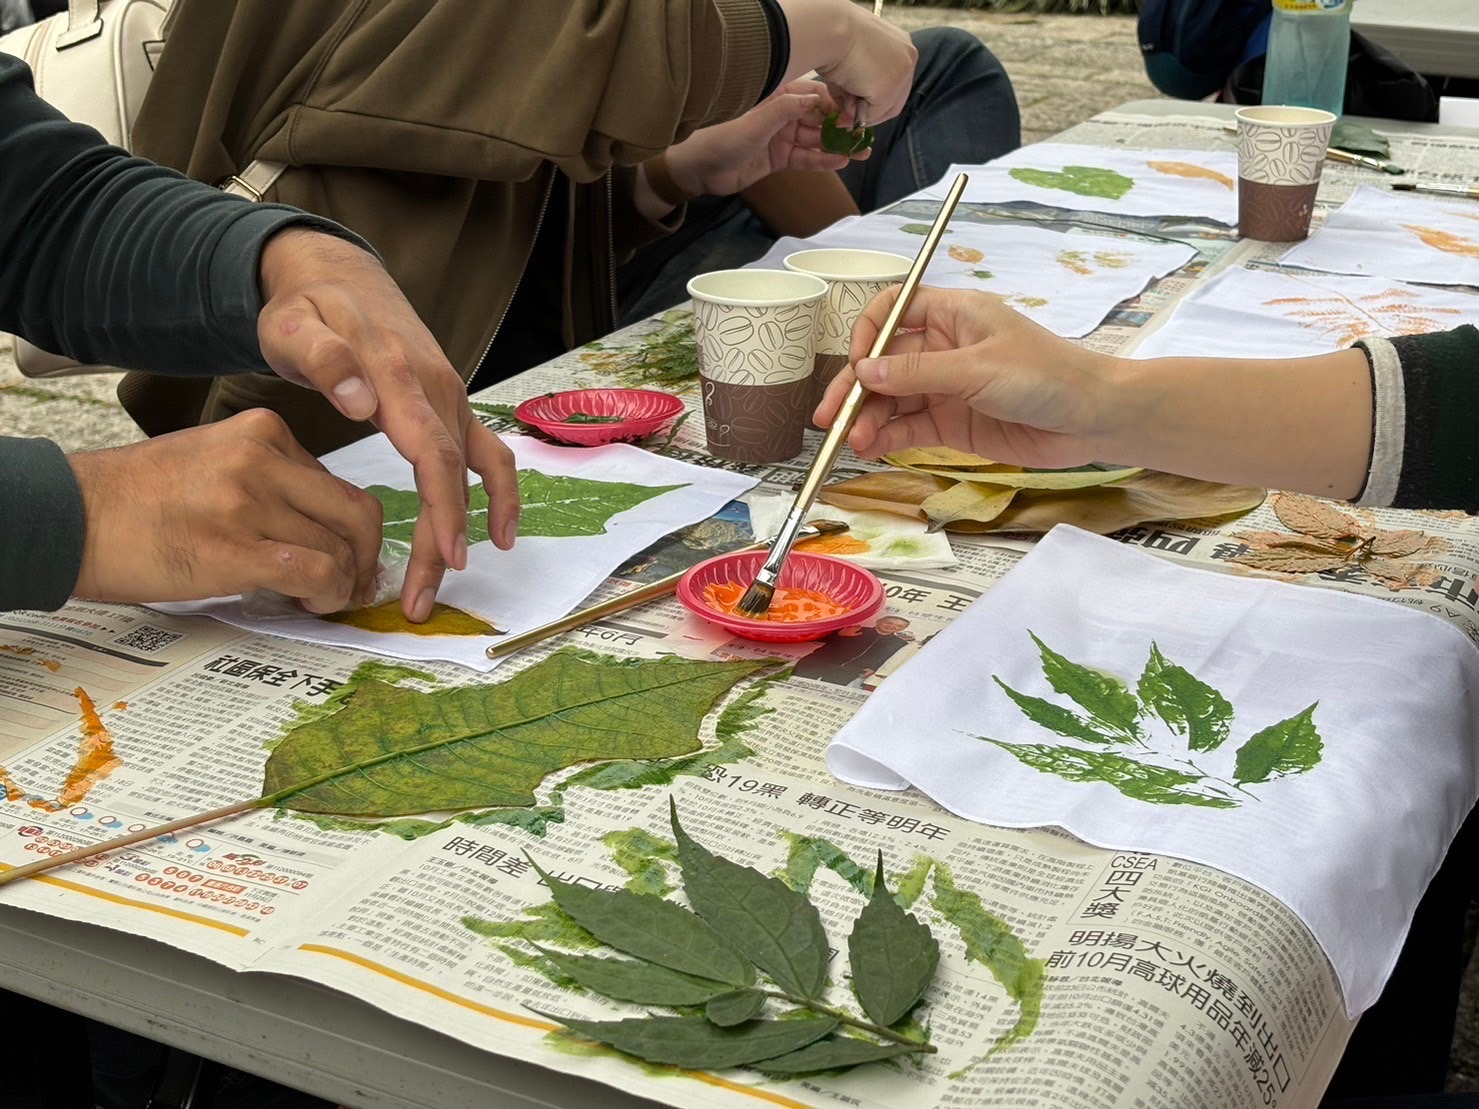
x=961 y=110
x=488 y=149
x=109 y=258
x=1388 y=422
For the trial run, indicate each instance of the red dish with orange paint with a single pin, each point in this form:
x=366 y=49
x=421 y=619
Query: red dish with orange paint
x=815 y=595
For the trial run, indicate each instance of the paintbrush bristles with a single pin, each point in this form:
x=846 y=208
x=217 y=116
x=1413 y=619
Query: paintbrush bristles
x=756 y=601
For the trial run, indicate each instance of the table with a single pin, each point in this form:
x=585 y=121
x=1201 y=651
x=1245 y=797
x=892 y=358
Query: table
x=1436 y=37
x=308 y=1036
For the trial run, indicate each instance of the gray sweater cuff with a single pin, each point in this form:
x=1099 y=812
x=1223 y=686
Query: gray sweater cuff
x=1389 y=424
x=41 y=541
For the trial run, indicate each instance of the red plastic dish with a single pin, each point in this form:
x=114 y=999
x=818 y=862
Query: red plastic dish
x=641 y=412
x=845 y=582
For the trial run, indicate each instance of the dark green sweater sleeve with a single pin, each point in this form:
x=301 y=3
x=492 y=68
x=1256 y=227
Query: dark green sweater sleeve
x=41 y=536
x=115 y=260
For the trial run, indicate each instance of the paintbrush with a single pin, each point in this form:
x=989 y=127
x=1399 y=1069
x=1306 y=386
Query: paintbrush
x=660 y=588
x=1437 y=187
x=756 y=601
x=1350 y=157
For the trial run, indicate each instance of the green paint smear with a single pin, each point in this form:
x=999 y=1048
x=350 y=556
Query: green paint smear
x=642 y=855
x=546 y=924
x=1083 y=180
x=808 y=854
x=990 y=941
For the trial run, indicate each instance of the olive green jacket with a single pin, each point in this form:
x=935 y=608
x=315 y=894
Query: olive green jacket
x=437 y=129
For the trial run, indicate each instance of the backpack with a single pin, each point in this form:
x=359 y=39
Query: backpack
x=1191 y=46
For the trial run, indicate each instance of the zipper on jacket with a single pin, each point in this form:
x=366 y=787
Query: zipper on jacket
x=528 y=256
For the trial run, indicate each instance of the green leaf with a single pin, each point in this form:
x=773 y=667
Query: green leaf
x=548 y=506
x=652 y=929
x=893 y=956
x=1056 y=718
x=1190 y=707
x=698 y=1044
x=640 y=983
x=1289 y=747
x=775 y=927
x=1103 y=696
x=836 y=1053
x=735 y=1007
x=393 y=751
x=1139 y=780
x=840 y=140
x=1082 y=180
x=1346 y=135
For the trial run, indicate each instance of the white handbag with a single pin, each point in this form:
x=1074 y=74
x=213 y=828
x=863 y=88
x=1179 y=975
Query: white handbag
x=92 y=63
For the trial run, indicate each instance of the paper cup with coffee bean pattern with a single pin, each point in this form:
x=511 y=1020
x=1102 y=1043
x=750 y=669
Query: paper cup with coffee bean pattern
x=1281 y=151
x=756 y=332
x=853 y=277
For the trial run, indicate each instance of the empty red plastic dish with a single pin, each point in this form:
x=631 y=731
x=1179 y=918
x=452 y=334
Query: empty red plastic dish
x=844 y=582
x=601 y=415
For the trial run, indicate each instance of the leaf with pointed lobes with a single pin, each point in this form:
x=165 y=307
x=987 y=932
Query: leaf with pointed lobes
x=775 y=927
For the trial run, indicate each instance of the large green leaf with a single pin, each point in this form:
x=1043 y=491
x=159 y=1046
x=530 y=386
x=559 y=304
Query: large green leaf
x=650 y=928
x=775 y=927
x=699 y=1044
x=1190 y=707
x=638 y=982
x=1056 y=718
x=1103 y=696
x=833 y=1054
x=1289 y=747
x=392 y=751
x=548 y=506
x=1142 y=781
x=893 y=956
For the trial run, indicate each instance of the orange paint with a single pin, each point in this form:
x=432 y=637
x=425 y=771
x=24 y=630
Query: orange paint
x=390 y=620
x=1445 y=241
x=839 y=544
x=95 y=757
x=119 y=706
x=13 y=792
x=27 y=652
x=788 y=606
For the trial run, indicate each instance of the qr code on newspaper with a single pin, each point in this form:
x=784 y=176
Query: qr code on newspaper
x=147 y=639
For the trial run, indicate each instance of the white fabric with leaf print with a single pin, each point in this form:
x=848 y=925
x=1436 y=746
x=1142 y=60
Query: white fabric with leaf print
x=1268 y=730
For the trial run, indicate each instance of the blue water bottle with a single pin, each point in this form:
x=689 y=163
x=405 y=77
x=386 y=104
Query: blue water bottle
x=1308 y=44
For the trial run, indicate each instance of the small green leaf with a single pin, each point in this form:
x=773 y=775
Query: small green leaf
x=735 y=1007
x=1139 y=780
x=836 y=1053
x=1103 y=696
x=639 y=983
x=918 y=229
x=699 y=1044
x=1190 y=707
x=775 y=927
x=652 y=929
x=840 y=140
x=1056 y=718
x=1289 y=747
x=893 y=956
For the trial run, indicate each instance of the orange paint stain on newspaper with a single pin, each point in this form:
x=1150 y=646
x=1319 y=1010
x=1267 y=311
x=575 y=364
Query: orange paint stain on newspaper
x=95 y=757
x=29 y=653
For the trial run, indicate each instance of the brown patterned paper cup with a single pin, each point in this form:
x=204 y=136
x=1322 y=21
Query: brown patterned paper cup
x=756 y=333
x=1281 y=151
x=853 y=277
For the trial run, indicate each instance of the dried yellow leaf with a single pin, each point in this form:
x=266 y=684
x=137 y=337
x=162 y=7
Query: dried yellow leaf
x=942 y=457
x=1401 y=544
x=898 y=491
x=966 y=502
x=1291 y=560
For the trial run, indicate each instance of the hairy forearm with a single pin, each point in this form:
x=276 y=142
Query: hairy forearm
x=1300 y=424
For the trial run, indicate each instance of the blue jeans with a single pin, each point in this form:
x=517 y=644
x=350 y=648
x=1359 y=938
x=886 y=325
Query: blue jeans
x=961 y=109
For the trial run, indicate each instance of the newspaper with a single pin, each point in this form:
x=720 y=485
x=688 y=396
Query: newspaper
x=1143 y=981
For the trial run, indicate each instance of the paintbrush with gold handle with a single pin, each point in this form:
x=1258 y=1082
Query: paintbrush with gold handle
x=756 y=601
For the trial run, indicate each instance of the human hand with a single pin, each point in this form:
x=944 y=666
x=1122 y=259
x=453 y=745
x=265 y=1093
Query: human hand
x=783 y=131
x=868 y=64
x=223 y=509
x=978 y=377
x=335 y=321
